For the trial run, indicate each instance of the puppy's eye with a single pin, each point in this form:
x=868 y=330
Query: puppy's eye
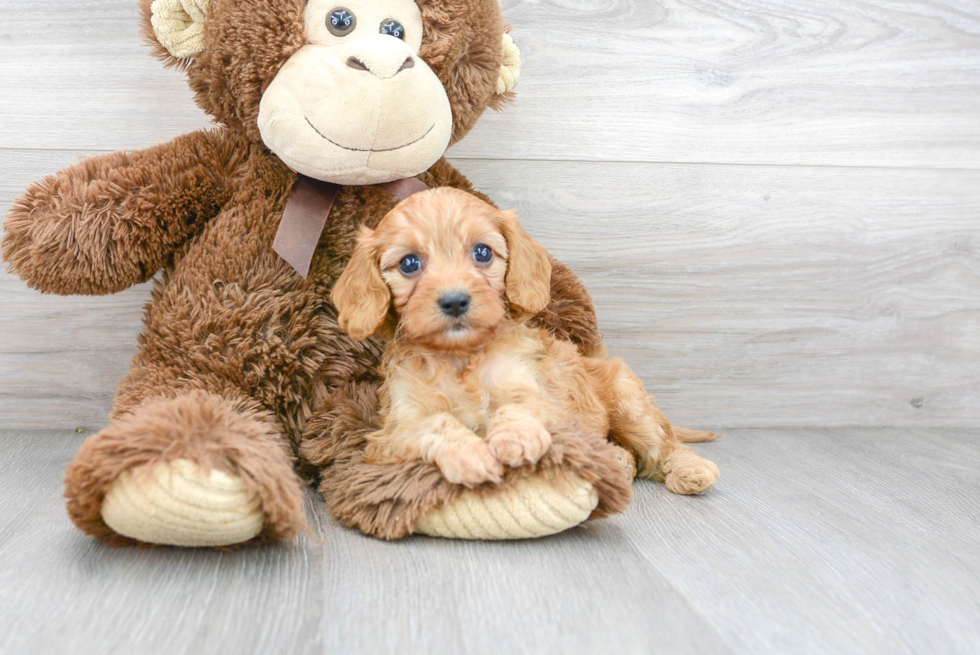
x=482 y=254
x=392 y=27
x=410 y=265
x=341 y=22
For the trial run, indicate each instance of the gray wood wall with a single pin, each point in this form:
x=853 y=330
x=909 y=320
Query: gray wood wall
x=776 y=205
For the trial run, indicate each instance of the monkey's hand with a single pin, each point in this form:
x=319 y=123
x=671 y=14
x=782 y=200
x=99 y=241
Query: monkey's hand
x=112 y=221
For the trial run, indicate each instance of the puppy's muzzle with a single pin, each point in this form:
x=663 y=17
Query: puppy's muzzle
x=454 y=303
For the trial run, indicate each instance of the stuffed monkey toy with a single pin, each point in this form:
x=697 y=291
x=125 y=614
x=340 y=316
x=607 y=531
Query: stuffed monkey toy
x=243 y=387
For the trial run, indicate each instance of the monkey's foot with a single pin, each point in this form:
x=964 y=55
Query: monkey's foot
x=531 y=507
x=195 y=470
x=177 y=503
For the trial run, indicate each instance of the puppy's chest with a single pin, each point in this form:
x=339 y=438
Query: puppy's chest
x=476 y=389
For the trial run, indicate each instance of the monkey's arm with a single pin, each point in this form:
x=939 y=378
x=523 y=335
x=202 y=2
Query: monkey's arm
x=112 y=221
x=570 y=315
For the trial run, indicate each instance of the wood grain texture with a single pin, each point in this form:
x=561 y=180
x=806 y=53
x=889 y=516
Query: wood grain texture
x=822 y=82
x=814 y=541
x=767 y=296
x=743 y=296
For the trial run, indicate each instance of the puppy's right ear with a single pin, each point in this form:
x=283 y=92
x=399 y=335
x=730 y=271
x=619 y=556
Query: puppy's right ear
x=361 y=296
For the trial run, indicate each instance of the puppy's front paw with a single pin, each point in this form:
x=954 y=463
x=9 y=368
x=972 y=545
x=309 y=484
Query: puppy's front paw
x=518 y=438
x=469 y=464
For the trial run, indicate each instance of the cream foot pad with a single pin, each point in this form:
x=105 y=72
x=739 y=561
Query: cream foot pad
x=177 y=504
x=531 y=508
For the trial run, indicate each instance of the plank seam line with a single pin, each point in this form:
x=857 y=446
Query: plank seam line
x=451 y=156
x=964 y=169
x=688 y=602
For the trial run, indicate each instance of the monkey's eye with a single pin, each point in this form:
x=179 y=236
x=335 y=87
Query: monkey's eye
x=392 y=27
x=482 y=254
x=341 y=21
x=410 y=264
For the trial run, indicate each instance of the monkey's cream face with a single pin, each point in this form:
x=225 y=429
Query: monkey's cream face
x=357 y=105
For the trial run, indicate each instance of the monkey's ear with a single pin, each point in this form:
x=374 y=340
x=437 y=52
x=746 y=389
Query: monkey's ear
x=528 y=278
x=179 y=26
x=510 y=67
x=361 y=295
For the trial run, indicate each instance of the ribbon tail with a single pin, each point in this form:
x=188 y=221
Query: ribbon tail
x=306 y=214
x=303 y=221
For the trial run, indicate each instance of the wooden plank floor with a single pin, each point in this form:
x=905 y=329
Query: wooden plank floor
x=814 y=541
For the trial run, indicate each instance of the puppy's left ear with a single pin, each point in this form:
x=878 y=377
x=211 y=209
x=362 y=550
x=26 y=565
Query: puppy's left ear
x=361 y=296
x=528 y=267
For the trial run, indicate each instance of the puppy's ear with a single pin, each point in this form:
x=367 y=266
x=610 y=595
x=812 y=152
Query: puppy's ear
x=528 y=267
x=360 y=295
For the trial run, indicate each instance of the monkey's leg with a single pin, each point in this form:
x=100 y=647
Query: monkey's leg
x=186 y=466
x=393 y=501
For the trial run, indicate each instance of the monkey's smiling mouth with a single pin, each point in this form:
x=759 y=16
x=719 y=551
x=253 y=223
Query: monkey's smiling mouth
x=368 y=149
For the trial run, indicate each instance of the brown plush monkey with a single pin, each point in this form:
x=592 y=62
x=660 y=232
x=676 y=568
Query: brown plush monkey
x=243 y=382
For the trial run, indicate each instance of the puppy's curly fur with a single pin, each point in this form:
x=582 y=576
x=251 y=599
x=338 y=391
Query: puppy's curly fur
x=469 y=386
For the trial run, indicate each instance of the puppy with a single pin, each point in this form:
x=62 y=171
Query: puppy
x=468 y=384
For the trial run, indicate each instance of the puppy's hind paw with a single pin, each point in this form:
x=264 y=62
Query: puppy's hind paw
x=517 y=439
x=692 y=478
x=470 y=464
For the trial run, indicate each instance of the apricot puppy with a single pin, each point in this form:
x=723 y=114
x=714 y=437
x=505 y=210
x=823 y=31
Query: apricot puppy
x=468 y=385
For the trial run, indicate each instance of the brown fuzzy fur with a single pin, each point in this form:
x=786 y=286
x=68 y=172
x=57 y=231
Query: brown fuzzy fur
x=241 y=359
x=112 y=221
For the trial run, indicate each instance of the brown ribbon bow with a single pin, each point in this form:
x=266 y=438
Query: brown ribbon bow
x=307 y=211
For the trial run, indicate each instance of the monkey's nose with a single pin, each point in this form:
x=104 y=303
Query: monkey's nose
x=380 y=69
x=357 y=64
x=454 y=303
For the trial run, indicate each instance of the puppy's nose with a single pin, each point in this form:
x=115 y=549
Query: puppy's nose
x=454 y=303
